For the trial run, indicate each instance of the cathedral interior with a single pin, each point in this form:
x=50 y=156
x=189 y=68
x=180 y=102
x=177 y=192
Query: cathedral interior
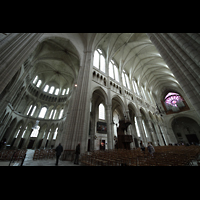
x=72 y=88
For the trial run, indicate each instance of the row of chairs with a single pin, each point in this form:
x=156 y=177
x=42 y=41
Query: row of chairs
x=44 y=154
x=15 y=155
x=163 y=156
x=117 y=157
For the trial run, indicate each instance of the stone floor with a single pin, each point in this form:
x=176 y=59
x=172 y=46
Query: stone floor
x=44 y=162
x=48 y=162
x=28 y=161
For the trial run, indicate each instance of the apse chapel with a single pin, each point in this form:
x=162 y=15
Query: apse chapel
x=75 y=87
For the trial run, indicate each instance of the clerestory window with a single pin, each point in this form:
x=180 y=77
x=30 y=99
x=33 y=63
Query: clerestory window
x=125 y=80
x=99 y=60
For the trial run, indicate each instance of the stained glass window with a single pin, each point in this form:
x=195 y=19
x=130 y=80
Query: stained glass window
x=173 y=101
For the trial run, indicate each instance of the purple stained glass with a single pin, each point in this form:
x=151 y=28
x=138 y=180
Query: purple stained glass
x=170 y=94
x=172 y=99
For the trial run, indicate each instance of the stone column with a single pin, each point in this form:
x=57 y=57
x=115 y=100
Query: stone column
x=45 y=138
x=130 y=130
x=110 y=134
x=152 y=133
x=92 y=133
x=51 y=138
x=18 y=139
x=165 y=135
x=27 y=137
x=59 y=135
x=159 y=135
x=77 y=122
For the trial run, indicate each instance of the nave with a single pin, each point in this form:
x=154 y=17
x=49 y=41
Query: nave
x=163 y=156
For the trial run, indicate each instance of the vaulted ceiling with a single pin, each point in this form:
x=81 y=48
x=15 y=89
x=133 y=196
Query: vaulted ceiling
x=136 y=54
x=57 y=59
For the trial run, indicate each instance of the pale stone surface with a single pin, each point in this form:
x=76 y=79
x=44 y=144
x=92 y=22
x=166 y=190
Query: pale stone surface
x=158 y=62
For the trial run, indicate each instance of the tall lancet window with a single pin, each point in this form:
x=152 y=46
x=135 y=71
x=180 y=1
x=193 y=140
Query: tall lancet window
x=125 y=80
x=99 y=60
x=113 y=71
x=42 y=112
x=101 y=112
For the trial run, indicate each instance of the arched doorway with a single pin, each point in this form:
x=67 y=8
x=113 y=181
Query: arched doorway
x=186 y=130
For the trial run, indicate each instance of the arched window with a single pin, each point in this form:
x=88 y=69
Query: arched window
x=101 y=112
x=51 y=90
x=63 y=92
x=113 y=71
x=55 y=134
x=144 y=126
x=51 y=114
x=35 y=79
x=42 y=112
x=136 y=126
x=57 y=91
x=67 y=91
x=29 y=109
x=96 y=59
x=33 y=110
x=135 y=87
x=18 y=132
x=54 y=114
x=48 y=134
x=46 y=88
x=35 y=132
x=39 y=83
x=61 y=114
x=125 y=80
x=99 y=60
x=24 y=132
